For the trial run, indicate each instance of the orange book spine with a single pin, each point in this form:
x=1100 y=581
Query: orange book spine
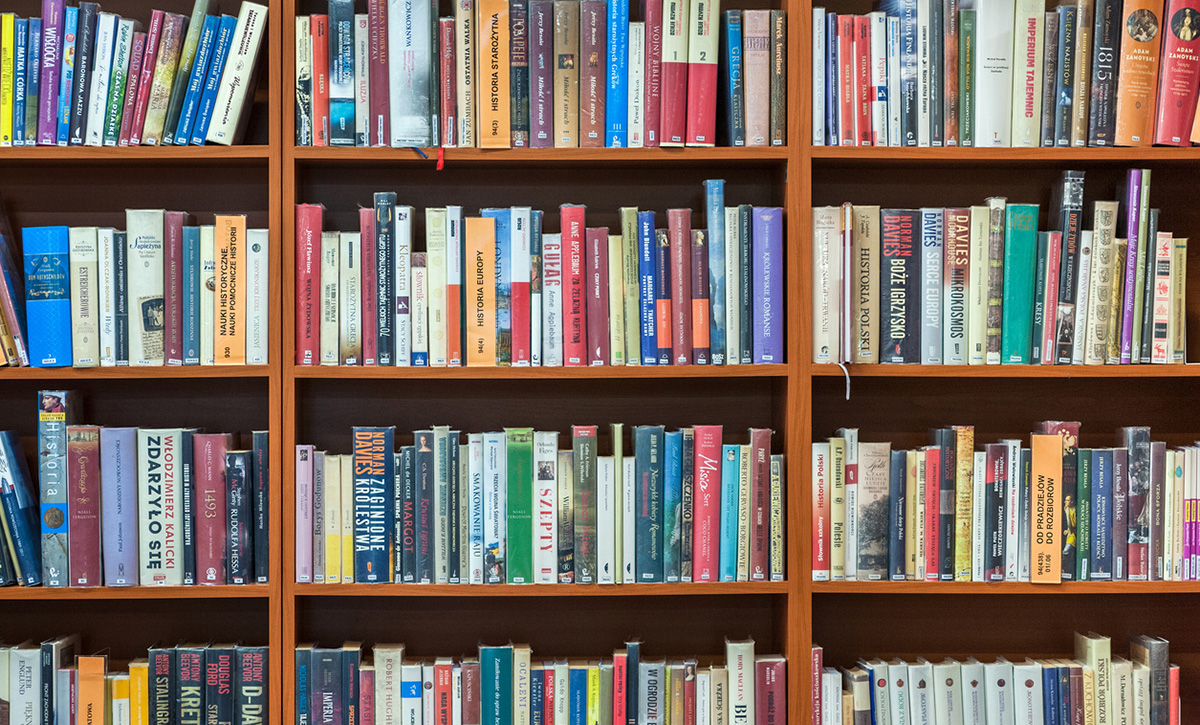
x=230 y=295
x=480 y=263
x=1045 y=551
x=1137 y=80
x=495 y=125
x=90 y=695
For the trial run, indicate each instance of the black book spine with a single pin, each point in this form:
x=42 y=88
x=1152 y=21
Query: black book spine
x=408 y=514
x=262 y=506
x=252 y=706
x=120 y=274
x=425 y=467
x=85 y=42
x=947 y=442
x=1039 y=298
x=8 y=572
x=162 y=686
x=1069 y=197
x=218 y=685
x=745 y=290
x=49 y=674
x=632 y=678
x=899 y=304
x=1065 y=82
x=453 y=517
x=187 y=455
x=239 y=548
x=1106 y=53
x=1050 y=78
x=896 y=515
x=189 y=696
x=385 y=241
x=350 y=663
x=688 y=479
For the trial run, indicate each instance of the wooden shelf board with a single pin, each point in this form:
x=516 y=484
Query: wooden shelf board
x=141 y=154
x=331 y=372
x=137 y=373
x=249 y=591
x=539 y=590
x=1009 y=371
x=1090 y=587
x=543 y=156
x=1011 y=155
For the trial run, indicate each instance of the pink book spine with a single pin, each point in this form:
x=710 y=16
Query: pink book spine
x=596 y=281
x=208 y=469
x=143 y=92
x=308 y=282
x=653 y=75
x=304 y=513
x=173 y=286
x=369 y=287
x=136 y=55
x=760 y=473
x=707 y=502
x=380 y=130
x=1052 y=263
x=83 y=504
x=575 y=333
x=756 y=54
x=366 y=697
x=933 y=470
x=679 y=231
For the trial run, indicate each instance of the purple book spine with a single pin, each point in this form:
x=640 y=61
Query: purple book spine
x=118 y=485
x=1133 y=200
x=1120 y=488
x=52 y=29
x=541 y=73
x=767 y=301
x=304 y=513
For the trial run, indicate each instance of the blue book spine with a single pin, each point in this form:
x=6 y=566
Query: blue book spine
x=374 y=471
x=20 y=79
x=633 y=657
x=47 y=296
x=341 y=72
x=616 y=105
x=1064 y=696
x=832 y=136
x=20 y=509
x=351 y=658
x=537 y=698
x=646 y=251
x=672 y=505
x=303 y=665
x=191 y=295
x=1050 y=695
x=33 y=65
x=662 y=292
x=67 y=74
x=648 y=463
x=119 y=494
x=495 y=688
x=896 y=515
x=195 y=87
x=734 y=82
x=208 y=100
x=767 y=300
x=503 y=219
x=1102 y=488
x=577 y=695
x=714 y=212
x=730 y=463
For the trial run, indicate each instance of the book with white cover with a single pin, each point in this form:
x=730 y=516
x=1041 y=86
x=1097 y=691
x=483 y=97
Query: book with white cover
x=108 y=296
x=475 y=506
x=1027 y=693
x=629 y=512
x=545 y=517
x=827 y=284
x=637 y=85
x=160 y=488
x=330 y=325
x=1028 y=47
x=998 y=689
x=85 y=296
x=920 y=678
x=402 y=265
x=947 y=693
x=993 y=71
x=208 y=287
x=606 y=512
x=230 y=112
x=144 y=268
x=362 y=90
x=879 y=79
x=924 y=67
x=1083 y=282
x=102 y=58
x=258 y=283
x=733 y=288
x=552 y=299
x=410 y=73
x=25 y=684
x=818 y=76
x=899 y=686
x=971 y=681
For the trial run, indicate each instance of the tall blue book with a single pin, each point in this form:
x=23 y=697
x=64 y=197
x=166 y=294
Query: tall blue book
x=20 y=509
x=714 y=218
x=577 y=698
x=341 y=72
x=733 y=82
x=190 y=295
x=504 y=262
x=495 y=685
x=48 y=295
x=616 y=102
x=672 y=505
x=212 y=82
x=646 y=266
x=731 y=456
x=195 y=84
x=649 y=466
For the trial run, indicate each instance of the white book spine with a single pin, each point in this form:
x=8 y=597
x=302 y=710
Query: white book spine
x=208 y=286
x=827 y=294
x=429 y=707
x=454 y=252
x=993 y=72
x=411 y=705
x=606 y=511
x=420 y=315
x=102 y=56
x=851 y=526
x=998 y=692
x=521 y=269
x=1012 y=512
x=349 y=298
x=552 y=269
x=733 y=302
x=977 y=286
x=971 y=681
x=145 y=286
x=464 y=30
x=403 y=285
x=494 y=500
x=456 y=693
x=545 y=468
x=85 y=297
x=894 y=95
x=237 y=76
x=879 y=70
x=25 y=689
x=1082 y=295
x=739 y=658
x=898 y=692
x=435 y=284
x=318 y=517
x=108 y=297
x=362 y=85
x=410 y=56
x=389 y=663
x=629 y=512
x=562 y=690
x=921 y=687
x=703 y=704
x=978 y=509
x=924 y=81
x=1027 y=692
x=637 y=83
x=159 y=504
x=475 y=492
x=330 y=327
x=1028 y=46
x=258 y=292
x=819 y=72
x=305 y=480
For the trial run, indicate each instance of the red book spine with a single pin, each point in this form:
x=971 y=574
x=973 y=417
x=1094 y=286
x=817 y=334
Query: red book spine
x=83 y=505
x=1053 y=259
x=815 y=672
x=1179 y=78
x=679 y=229
x=129 y=109
x=369 y=286
x=700 y=302
x=379 y=131
x=173 y=287
x=689 y=693
x=652 y=111
x=847 y=73
x=443 y=686
x=575 y=337
x=597 y=295
x=702 y=90
x=706 y=519
x=760 y=471
x=319 y=27
x=933 y=477
x=548 y=716
x=366 y=696
x=208 y=470
x=620 y=670
x=470 y=694
x=770 y=691
x=673 y=122
x=862 y=84
x=308 y=282
x=449 y=85
x=148 y=62
x=520 y=288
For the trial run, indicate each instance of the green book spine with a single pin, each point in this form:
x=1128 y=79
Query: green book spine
x=1020 y=262
x=966 y=77
x=519 y=505
x=495 y=685
x=187 y=57
x=1083 y=528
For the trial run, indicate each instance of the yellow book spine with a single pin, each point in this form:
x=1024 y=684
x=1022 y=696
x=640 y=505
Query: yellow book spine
x=910 y=515
x=230 y=295
x=495 y=124
x=347 y=526
x=333 y=519
x=1045 y=550
x=964 y=500
x=593 y=693
x=139 y=692
x=481 y=306
x=7 y=46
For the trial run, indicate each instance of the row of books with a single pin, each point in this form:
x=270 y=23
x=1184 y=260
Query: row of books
x=159 y=292
x=547 y=74
x=1007 y=73
x=1093 y=686
x=54 y=683
x=1045 y=513
x=125 y=507
x=78 y=76
x=510 y=507
x=980 y=285
x=496 y=290
x=507 y=684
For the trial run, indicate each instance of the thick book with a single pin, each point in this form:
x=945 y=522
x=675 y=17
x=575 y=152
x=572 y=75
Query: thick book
x=519 y=505
x=118 y=485
x=518 y=24
x=674 y=89
x=159 y=506
x=1137 y=80
x=47 y=295
x=899 y=284
x=702 y=46
x=374 y=480
x=495 y=128
x=1067 y=210
x=83 y=505
x=210 y=505
x=1179 y=80
x=1107 y=32
x=145 y=239
x=1020 y=252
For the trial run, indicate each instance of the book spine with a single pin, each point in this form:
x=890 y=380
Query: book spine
x=592 y=55
x=596 y=275
x=83 y=505
x=777 y=120
x=158 y=507
x=52 y=37
x=647 y=290
x=675 y=36
x=662 y=295
x=164 y=77
x=465 y=24
x=1071 y=223
x=47 y=295
x=654 y=87
x=378 y=118
x=1106 y=40
x=702 y=57
x=190 y=296
x=373 y=479
x=566 y=74
x=648 y=450
x=260 y=493
x=680 y=233
x=520 y=277
x=234 y=95
x=495 y=129
x=734 y=79
x=1064 y=82
x=189 y=103
x=118 y=481
x=541 y=74
x=85 y=58
x=933 y=225
x=211 y=506
x=767 y=290
x=120 y=79
x=85 y=297
x=362 y=80
x=1137 y=80
x=173 y=287
x=616 y=104
x=700 y=298
x=1084 y=21
x=518 y=18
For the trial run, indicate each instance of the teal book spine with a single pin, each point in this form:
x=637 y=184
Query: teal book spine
x=1020 y=262
x=730 y=462
x=47 y=295
x=519 y=504
x=672 y=505
x=341 y=72
x=191 y=295
x=495 y=685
